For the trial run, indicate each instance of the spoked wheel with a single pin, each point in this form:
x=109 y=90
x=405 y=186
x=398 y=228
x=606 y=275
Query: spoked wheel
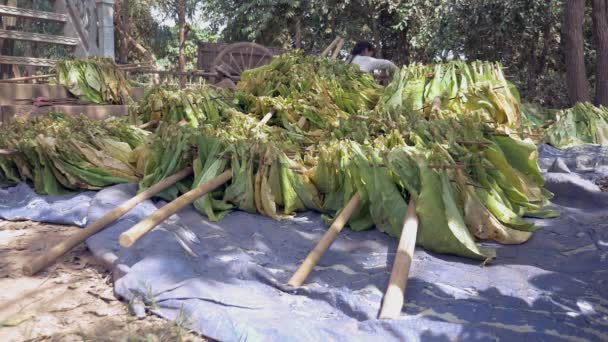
x=236 y=58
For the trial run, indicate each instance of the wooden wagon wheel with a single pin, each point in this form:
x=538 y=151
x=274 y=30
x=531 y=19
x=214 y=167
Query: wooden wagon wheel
x=236 y=58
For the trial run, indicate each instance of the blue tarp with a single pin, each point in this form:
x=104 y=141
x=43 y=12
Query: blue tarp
x=227 y=279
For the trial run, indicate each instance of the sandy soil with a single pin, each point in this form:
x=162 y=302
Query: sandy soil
x=72 y=300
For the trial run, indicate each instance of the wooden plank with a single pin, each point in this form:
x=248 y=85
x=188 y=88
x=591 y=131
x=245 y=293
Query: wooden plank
x=42 y=62
x=31 y=14
x=38 y=37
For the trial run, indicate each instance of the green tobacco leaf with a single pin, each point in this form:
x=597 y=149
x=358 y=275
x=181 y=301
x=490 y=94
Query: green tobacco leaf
x=442 y=227
x=521 y=155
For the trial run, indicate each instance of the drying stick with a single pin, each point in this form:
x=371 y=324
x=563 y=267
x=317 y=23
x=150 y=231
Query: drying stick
x=329 y=48
x=395 y=292
x=128 y=238
x=302 y=122
x=4 y=152
x=338 y=48
x=323 y=245
x=28 y=78
x=265 y=119
x=63 y=247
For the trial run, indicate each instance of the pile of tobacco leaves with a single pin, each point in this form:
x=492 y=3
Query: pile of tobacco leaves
x=582 y=124
x=94 y=79
x=335 y=132
x=58 y=153
x=470 y=179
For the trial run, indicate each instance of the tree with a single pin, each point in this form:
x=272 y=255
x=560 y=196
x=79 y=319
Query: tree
x=124 y=17
x=182 y=40
x=600 y=35
x=574 y=15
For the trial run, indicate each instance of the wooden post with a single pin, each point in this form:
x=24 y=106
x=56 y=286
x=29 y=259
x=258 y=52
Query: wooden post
x=128 y=238
x=323 y=245
x=395 y=292
x=63 y=247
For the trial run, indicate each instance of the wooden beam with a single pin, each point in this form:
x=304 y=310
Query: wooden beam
x=41 y=62
x=39 y=37
x=31 y=14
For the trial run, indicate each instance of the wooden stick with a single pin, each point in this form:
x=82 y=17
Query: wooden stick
x=338 y=48
x=128 y=238
x=4 y=152
x=28 y=78
x=265 y=119
x=149 y=124
x=330 y=47
x=302 y=122
x=395 y=292
x=63 y=247
x=446 y=167
x=323 y=245
x=474 y=143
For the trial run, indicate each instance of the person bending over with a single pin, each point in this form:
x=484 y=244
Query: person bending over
x=362 y=56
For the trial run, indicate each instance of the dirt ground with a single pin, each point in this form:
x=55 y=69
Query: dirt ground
x=71 y=300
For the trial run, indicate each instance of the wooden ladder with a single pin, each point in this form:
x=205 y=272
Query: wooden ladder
x=84 y=32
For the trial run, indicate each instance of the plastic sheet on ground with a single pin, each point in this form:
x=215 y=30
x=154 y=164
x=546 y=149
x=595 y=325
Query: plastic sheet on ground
x=226 y=280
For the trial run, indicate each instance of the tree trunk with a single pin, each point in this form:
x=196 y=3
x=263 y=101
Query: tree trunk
x=576 y=77
x=600 y=35
x=377 y=39
x=299 y=33
x=181 y=18
x=405 y=48
x=124 y=22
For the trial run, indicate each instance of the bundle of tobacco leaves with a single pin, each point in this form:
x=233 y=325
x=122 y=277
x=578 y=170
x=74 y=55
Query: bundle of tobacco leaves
x=58 y=153
x=195 y=105
x=296 y=86
x=478 y=87
x=94 y=79
x=582 y=124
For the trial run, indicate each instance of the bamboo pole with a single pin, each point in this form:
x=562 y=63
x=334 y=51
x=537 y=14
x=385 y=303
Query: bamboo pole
x=337 y=50
x=5 y=152
x=128 y=238
x=27 y=78
x=329 y=48
x=395 y=292
x=149 y=124
x=37 y=264
x=265 y=119
x=302 y=122
x=323 y=245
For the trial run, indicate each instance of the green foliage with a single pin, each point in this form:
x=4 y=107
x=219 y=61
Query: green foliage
x=165 y=46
